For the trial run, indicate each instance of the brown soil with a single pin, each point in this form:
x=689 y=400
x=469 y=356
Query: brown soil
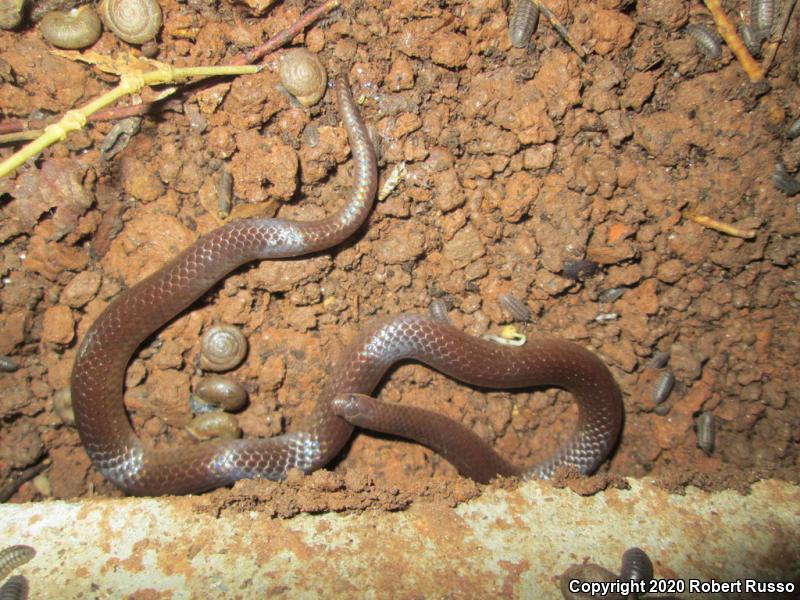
x=518 y=162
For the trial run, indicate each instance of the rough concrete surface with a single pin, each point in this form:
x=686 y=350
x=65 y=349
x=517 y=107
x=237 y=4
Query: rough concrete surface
x=507 y=543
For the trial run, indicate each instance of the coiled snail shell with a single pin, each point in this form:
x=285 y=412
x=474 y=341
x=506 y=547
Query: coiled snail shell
x=223 y=347
x=11 y=13
x=132 y=21
x=78 y=28
x=223 y=392
x=303 y=76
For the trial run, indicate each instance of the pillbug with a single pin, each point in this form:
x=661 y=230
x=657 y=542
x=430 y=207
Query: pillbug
x=663 y=387
x=515 y=307
x=523 y=22
x=707 y=41
x=706 y=431
x=636 y=566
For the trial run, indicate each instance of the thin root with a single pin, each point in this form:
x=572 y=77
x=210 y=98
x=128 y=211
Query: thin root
x=728 y=33
x=710 y=223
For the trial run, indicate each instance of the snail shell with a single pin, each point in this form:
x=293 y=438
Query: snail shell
x=223 y=347
x=75 y=29
x=132 y=21
x=220 y=425
x=11 y=13
x=303 y=76
x=223 y=392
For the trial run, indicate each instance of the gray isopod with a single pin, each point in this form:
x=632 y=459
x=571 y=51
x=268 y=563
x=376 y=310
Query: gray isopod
x=663 y=387
x=438 y=309
x=13 y=557
x=224 y=194
x=793 y=130
x=516 y=307
x=16 y=588
x=750 y=39
x=706 y=426
x=762 y=16
x=636 y=566
x=706 y=40
x=523 y=22
x=659 y=360
x=785 y=182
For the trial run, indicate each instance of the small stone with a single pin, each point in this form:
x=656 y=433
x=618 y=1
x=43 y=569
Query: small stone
x=686 y=365
x=81 y=289
x=12 y=331
x=539 y=157
x=402 y=243
x=465 y=247
x=401 y=75
x=643 y=297
x=58 y=326
x=448 y=192
x=622 y=354
x=521 y=191
x=450 y=50
x=139 y=181
x=272 y=373
x=670 y=271
x=404 y=124
x=613 y=31
x=638 y=89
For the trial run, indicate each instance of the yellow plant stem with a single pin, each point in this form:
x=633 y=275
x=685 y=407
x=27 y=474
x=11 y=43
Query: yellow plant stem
x=735 y=43
x=726 y=228
x=130 y=83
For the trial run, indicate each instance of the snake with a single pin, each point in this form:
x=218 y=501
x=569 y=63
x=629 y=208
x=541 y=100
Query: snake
x=116 y=450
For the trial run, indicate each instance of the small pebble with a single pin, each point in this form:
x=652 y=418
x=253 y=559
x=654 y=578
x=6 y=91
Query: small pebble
x=611 y=294
x=603 y=317
x=62 y=406
x=7 y=365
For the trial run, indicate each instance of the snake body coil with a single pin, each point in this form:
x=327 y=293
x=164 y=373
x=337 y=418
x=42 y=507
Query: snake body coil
x=99 y=371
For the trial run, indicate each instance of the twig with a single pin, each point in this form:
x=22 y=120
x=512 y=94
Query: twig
x=772 y=47
x=559 y=27
x=129 y=83
x=275 y=42
x=19 y=136
x=707 y=221
x=10 y=486
x=123 y=112
x=285 y=36
x=728 y=33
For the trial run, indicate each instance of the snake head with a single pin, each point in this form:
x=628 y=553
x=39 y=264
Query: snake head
x=353 y=408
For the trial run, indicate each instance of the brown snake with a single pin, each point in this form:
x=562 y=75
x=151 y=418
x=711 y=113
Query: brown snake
x=99 y=371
